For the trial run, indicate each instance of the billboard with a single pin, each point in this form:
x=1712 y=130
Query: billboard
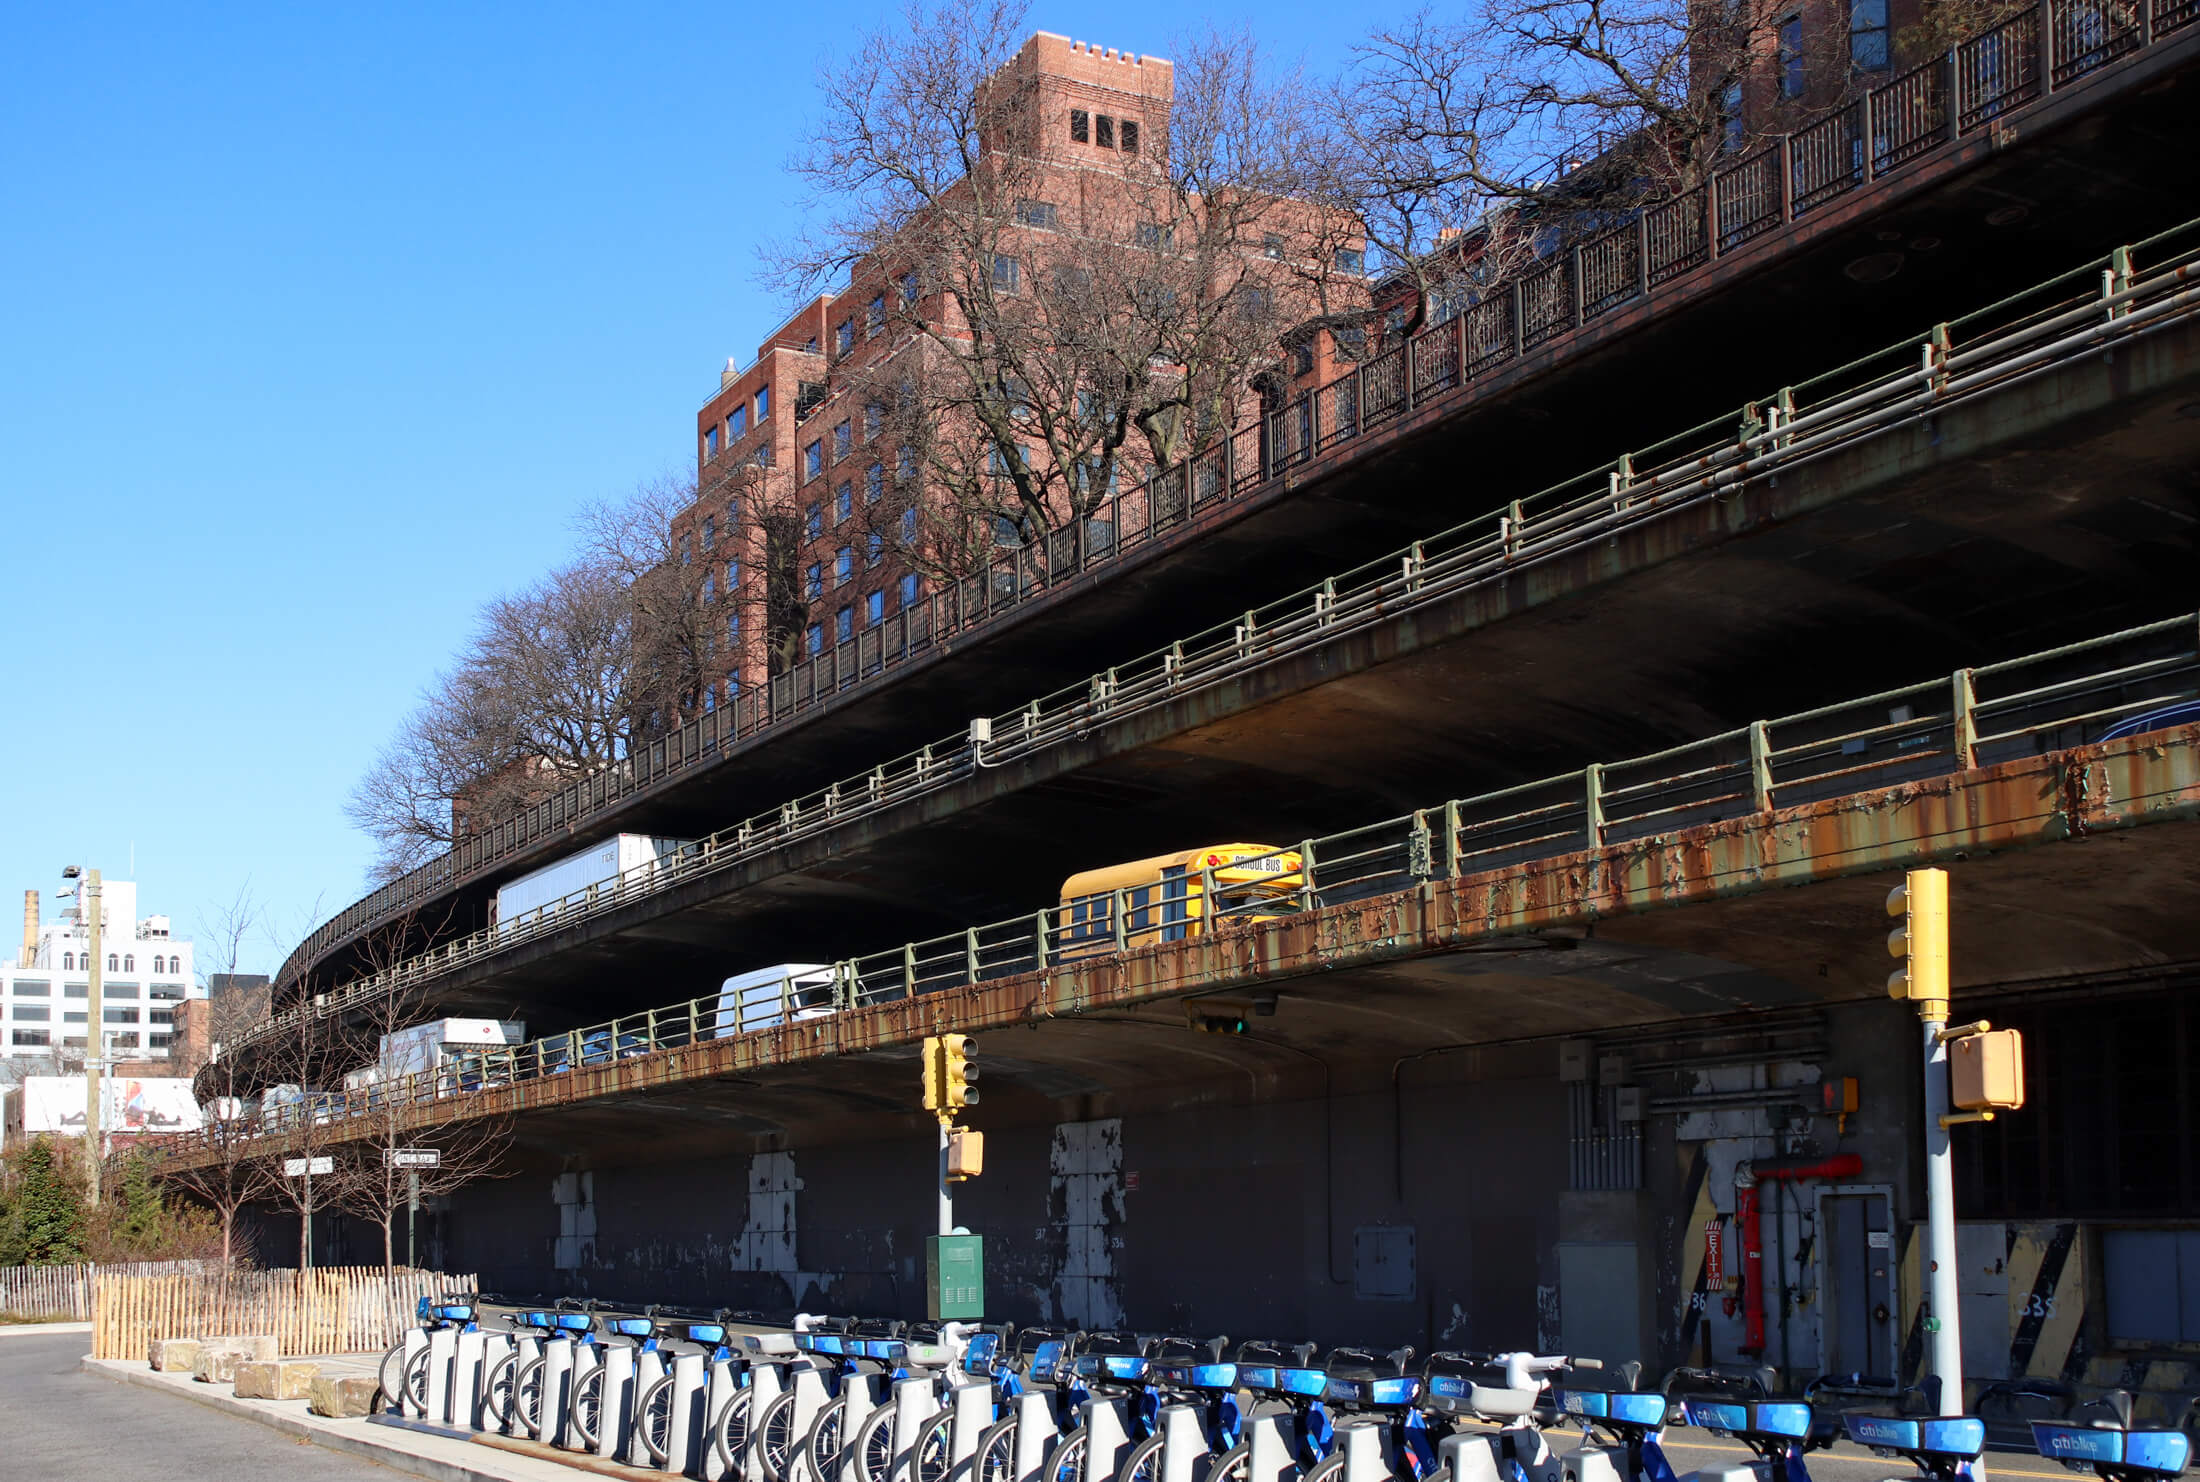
x=55 y=1103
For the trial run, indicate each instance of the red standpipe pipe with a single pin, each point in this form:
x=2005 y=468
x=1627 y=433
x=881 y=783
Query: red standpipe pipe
x=1840 y=1165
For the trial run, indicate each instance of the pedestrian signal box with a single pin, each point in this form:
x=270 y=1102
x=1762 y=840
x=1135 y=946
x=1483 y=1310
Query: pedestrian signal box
x=1986 y=1071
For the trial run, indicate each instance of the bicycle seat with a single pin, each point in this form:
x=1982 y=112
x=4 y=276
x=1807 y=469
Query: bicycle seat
x=1759 y=1424
x=2113 y=1450
x=1935 y=1446
x=1461 y=1384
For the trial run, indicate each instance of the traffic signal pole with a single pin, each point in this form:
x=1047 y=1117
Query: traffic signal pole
x=1921 y=904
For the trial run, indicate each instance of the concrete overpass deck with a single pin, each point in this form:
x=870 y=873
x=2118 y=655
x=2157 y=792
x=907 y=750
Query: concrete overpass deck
x=1991 y=192
x=2032 y=478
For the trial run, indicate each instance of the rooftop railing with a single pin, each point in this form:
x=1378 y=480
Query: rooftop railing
x=2107 y=301
x=2131 y=682
x=1977 y=84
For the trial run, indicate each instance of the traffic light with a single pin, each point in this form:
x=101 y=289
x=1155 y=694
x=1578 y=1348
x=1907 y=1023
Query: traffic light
x=1219 y=1023
x=1986 y=1069
x=1920 y=903
x=957 y=1070
x=933 y=1100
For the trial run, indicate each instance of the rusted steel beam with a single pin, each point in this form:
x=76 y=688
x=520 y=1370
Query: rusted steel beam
x=2043 y=800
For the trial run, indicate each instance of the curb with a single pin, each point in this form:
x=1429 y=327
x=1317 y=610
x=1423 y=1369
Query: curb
x=332 y=1434
x=34 y=1329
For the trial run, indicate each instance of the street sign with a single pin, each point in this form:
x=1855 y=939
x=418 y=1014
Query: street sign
x=412 y=1157
x=300 y=1167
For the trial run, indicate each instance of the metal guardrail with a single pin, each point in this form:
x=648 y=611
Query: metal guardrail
x=2120 y=684
x=2107 y=301
x=1976 y=85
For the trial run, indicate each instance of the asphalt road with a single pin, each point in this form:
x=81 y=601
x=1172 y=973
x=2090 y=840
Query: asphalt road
x=60 y=1424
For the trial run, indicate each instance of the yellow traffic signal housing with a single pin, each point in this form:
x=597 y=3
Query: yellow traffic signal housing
x=965 y=1154
x=1986 y=1071
x=1920 y=902
x=957 y=1071
x=934 y=1088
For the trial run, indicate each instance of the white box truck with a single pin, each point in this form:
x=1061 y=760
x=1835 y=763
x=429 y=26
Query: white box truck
x=787 y=993
x=456 y=1045
x=622 y=862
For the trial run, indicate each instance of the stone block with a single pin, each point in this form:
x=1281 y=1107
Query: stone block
x=342 y=1397
x=285 y=1379
x=259 y=1348
x=217 y=1365
x=176 y=1355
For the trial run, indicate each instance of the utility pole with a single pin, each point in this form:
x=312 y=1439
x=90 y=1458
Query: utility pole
x=95 y=1041
x=954 y=1262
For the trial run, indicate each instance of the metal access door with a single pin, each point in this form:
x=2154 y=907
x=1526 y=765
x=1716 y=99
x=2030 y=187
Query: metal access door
x=1857 y=1254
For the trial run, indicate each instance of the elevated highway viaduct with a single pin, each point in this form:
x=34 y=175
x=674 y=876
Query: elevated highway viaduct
x=1487 y=1110
x=2052 y=501
x=2106 y=157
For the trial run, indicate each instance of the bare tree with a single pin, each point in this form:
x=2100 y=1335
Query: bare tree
x=1041 y=327
x=298 y=1124
x=228 y=1173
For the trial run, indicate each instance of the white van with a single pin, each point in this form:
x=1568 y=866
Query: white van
x=787 y=993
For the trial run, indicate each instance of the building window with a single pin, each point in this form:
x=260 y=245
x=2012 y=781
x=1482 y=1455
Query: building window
x=32 y=988
x=813 y=520
x=68 y=962
x=1156 y=238
x=874 y=420
x=1271 y=246
x=844 y=566
x=813 y=581
x=687 y=550
x=120 y=990
x=32 y=1038
x=874 y=609
x=710 y=538
x=73 y=990
x=844 y=503
x=1351 y=341
x=1868 y=35
x=1791 y=57
x=733 y=628
x=874 y=315
x=737 y=424
x=31 y=1013
x=874 y=547
x=843 y=440
x=710 y=441
x=874 y=483
x=733 y=575
x=909 y=527
x=160 y=1041
x=1006 y=272
x=844 y=625
x=161 y=1016
x=813 y=460
x=1103 y=131
x=905 y=466
x=127 y=1040
x=118 y=1016
x=912 y=588
x=814 y=638
x=1038 y=213
x=763 y=405
x=710 y=587
x=844 y=336
x=112 y=960
x=710 y=699
x=764 y=456
x=1130 y=136
x=909 y=290
x=1730 y=115
x=1080 y=126
x=1351 y=260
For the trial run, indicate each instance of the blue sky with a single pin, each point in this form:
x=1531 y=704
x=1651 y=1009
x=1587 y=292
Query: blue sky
x=319 y=324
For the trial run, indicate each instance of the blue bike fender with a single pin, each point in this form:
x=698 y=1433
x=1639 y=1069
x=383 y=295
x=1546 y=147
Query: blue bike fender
x=1229 y=1421
x=1149 y=1410
x=1419 y=1452
x=1655 y=1466
x=1319 y=1432
x=1796 y=1471
x=1011 y=1386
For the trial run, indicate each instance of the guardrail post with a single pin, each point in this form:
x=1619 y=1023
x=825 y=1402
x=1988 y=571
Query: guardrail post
x=1451 y=838
x=1210 y=908
x=970 y=954
x=1245 y=633
x=1039 y=940
x=1964 y=715
x=1121 y=930
x=1229 y=465
x=1325 y=600
x=1787 y=177
x=1592 y=777
x=909 y=969
x=1760 y=766
x=1172 y=662
x=1420 y=849
x=1306 y=874
x=1580 y=293
x=1408 y=354
x=1414 y=562
x=695 y=1023
x=1519 y=320
x=1642 y=254
x=1508 y=529
x=2047 y=47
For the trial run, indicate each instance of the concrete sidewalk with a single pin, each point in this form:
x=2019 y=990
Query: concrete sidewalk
x=435 y=1454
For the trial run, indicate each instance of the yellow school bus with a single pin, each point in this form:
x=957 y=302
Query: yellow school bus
x=1163 y=899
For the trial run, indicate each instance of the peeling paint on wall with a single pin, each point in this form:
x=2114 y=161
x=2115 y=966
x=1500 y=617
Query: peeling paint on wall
x=575 y=1196
x=1086 y=1211
x=767 y=1241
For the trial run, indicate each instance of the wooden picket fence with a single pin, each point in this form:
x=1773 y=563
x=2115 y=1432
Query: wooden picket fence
x=332 y=1309
x=30 y=1293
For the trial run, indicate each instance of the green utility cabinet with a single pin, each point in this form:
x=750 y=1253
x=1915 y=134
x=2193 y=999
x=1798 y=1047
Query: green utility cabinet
x=954 y=1277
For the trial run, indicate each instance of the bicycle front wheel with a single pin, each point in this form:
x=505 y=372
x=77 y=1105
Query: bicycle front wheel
x=588 y=1407
x=1067 y=1464
x=822 y=1446
x=933 y=1456
x=729 y=1433
x=653 y=1418
x=527 y=1396
x=416 y=1383
x=496 y=1393
x=874 y=1446
x=1144 y=1462
x=390 y=1374
x=775 y=1433
x=1235 y=1465
x=996 y=1458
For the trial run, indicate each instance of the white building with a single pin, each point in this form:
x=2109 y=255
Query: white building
x=43 y=991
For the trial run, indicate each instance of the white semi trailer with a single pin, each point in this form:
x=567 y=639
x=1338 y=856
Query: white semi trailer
x=621 y=863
